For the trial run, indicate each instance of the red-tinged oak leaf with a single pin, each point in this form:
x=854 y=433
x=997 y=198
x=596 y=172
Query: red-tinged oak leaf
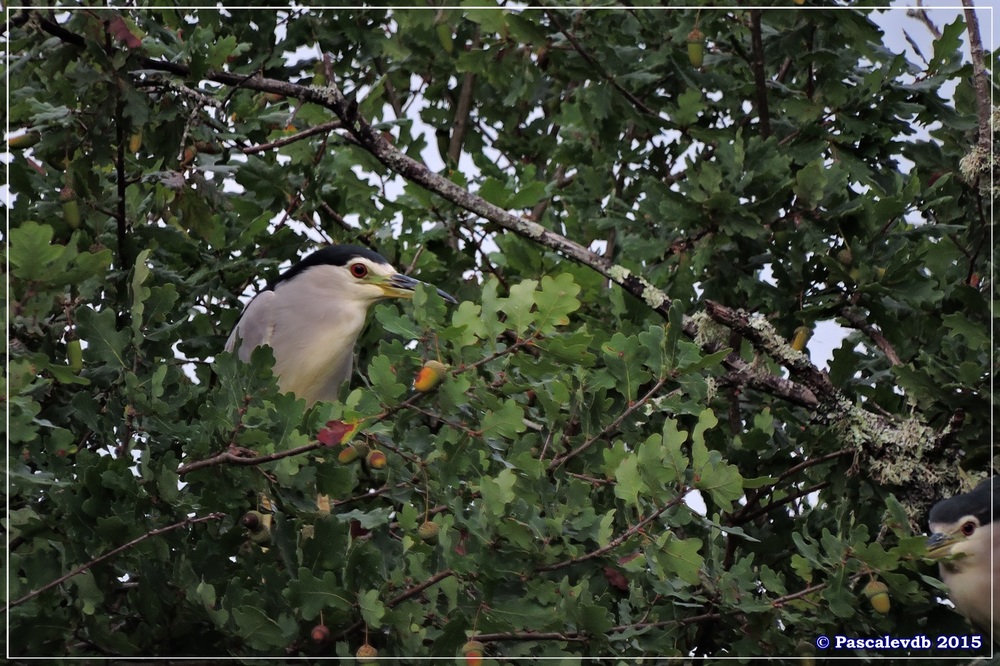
x=336 y=432
x=615 y=578
x=121 y=31
x=625 y=559
x=460 y=546
x=357 y=530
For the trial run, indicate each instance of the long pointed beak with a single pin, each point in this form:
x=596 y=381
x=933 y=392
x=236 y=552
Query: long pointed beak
x=402 y=286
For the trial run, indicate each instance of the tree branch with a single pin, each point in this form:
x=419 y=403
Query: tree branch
x=760 y=80
x=285 y=140
x=417 y=589
x=633 y=100
x=112 y=553
x=767 y=508
x=855 y=319
x=230 y=458
x=982 y=83
x=617 y=541
x=560 y=461
x=921 y=15
x=462 y=110
x=760 y=333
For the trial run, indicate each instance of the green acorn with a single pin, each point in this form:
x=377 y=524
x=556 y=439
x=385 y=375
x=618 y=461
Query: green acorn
x=696 y=47
x=878 y=595
x=74 y=353
x=428 y=531
x=24 y=141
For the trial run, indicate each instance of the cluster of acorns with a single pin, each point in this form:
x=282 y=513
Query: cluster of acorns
x=375 y=458
x=428 y=378
x=368 y=654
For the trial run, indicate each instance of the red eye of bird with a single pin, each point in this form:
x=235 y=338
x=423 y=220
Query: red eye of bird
x=359 y=270
x=968 y=528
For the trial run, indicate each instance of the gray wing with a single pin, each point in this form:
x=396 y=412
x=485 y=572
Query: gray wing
x=255 y=326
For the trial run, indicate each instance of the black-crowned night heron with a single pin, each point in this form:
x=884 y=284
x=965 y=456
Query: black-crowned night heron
x=962 y=526
x=312 y=315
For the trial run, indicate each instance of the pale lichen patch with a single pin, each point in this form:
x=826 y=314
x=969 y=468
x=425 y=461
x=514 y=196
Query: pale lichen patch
x=708 y=332
x=531 y=229
x=619 y=273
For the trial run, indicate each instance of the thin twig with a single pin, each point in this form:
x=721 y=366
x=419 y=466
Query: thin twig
x=406 y=594
x=855 y=319
x=230 y=458
x=784 y=500
x=635 y=101
x=791 y=471
x=112 y=553
x=558 y=462
x=583 y=636
x=619 y=540
x=781 y=601
x=417 y=589
x=322 y=128
x=921 y=15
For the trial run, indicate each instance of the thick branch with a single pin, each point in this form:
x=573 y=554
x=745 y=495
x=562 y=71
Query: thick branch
x=762 y=335
x=332 y=98
x=462 y=110
x=982 y=83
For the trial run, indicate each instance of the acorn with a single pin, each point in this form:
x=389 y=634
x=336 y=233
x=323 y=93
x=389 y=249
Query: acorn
x=802 y=335
x=430 y=376
x=74 y=353
x=24 y=141
x=696 y=47
x=845 y=256
x=70 y=207
x=352 y=452
x=367 y=654
x=376 y=459
x=262 y=536
x=428 y=531
x=135 y=142
x=473 y=653
x=878 y=595
x=320 y=634
x=253 y=521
